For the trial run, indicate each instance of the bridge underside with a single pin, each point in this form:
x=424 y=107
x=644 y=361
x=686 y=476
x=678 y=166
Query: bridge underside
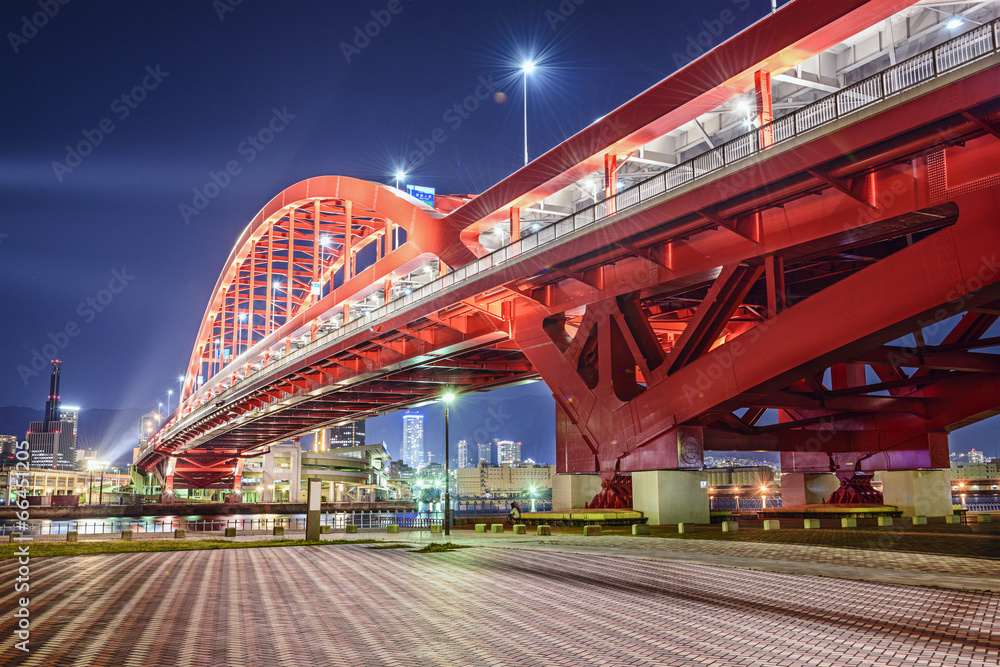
x=848 y=281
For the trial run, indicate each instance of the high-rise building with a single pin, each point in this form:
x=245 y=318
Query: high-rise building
x=508 y=453
x=52 y=441
x=976 y=457
x=68 y=414
x=485 y=453
x=8 y=452
x=413 y=440
x=463 y=454
x=347 y=435
x=148 y=424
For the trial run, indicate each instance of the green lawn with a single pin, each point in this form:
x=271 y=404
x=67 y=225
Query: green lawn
x=46 y=549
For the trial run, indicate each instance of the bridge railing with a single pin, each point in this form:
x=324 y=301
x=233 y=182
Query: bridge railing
x=959 y=51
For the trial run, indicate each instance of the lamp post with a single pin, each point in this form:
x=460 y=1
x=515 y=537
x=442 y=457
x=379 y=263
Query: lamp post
x=527 y=67
x=92 y=466
x=170 y=392
x=399 y=177
x=447 y=398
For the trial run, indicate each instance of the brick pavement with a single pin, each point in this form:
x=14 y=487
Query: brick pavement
x=526 y=605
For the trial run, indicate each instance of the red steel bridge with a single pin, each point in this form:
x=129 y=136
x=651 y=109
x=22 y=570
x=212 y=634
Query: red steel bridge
x=835 y=259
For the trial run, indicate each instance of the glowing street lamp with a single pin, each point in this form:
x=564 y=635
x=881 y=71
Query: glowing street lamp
x=448 y=397
x=400 y=176
x=94 y=465
x=527 y=67
x=170 y=392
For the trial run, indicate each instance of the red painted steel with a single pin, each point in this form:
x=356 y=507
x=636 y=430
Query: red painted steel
x=664 y=330
x=856 y=489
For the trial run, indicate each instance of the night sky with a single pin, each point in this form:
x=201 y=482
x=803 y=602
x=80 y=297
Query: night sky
x=114 y=113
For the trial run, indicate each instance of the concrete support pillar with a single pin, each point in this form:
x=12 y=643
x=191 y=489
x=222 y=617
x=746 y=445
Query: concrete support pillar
x=574 y=491
x=807 y=488
x=295 y=474
x=671 y=496
x=918 y=492
x=313 y=509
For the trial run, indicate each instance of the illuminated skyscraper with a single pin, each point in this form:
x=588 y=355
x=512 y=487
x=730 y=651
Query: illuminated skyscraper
x=347 y=435
x=52 y=442
x=148 y=423
x=508 y=453
x=485 y=453
x=463 y=454
x=413 y=440
x=68 y=414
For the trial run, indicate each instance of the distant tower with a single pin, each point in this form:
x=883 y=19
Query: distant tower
x=52 y=405
x=52 y=442
x=348 y=435
x=413 y=440
x=485 y=453
x=147 y=427
x=68 y=414
x=463 y=454
x=508 y=453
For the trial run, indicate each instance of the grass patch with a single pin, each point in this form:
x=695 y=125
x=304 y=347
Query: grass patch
x=52 y=549
x=438 y=547
x=394 y=545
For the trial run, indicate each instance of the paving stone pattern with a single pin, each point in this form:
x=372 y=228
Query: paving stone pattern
x=348 y=605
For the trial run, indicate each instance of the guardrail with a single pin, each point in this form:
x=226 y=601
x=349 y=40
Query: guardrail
x=337 y=521
x=961 y=50
x=982 y=507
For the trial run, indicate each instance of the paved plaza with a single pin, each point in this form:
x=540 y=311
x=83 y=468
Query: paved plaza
x=565 y=600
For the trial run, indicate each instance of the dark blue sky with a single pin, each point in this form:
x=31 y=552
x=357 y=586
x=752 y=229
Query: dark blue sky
x=96 y=256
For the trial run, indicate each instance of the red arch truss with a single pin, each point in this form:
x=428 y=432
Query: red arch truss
x=321 y=252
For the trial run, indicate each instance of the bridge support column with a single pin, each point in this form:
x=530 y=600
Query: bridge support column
x=671 y=496
x=918 y=492
x=574 y=491
x=167 y=494
x=807 y=489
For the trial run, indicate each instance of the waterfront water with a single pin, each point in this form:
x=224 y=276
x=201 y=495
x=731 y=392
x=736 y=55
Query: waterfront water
x=427 y=514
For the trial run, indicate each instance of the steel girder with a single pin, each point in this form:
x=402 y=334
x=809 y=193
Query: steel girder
x=693 y=282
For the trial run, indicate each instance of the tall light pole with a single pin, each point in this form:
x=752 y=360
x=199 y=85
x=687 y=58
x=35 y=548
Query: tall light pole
x=170 y=392
x=447 y=398
x=399 y=177
x=527 y=67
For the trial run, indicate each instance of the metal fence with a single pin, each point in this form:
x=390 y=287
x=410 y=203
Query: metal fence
x=924 y=67
x=983 y=507
x=738 y=504
x=338 y=522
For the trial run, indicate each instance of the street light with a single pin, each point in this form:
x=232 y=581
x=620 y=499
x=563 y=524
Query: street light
x=527 y=67
x=95 y=465
x=400 y=176
x=448 y=397
x=170 y=392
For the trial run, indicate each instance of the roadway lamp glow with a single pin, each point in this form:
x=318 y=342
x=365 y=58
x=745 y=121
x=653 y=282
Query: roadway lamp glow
x=953 y=23
x=400 y=175
x=528 y=66
x=448 y=397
